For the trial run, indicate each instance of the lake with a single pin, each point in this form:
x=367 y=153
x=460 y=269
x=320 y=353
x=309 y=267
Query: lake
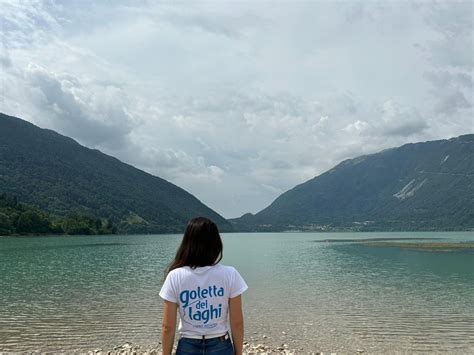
x=85 y=292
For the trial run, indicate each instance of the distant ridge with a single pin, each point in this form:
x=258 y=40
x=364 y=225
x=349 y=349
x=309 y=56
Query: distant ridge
x=418 y=186
x=58 y=175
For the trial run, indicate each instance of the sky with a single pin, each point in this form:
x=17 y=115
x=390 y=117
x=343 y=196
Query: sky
x=239 y=101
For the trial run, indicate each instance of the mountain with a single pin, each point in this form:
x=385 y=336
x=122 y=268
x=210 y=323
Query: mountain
x=420 y=186
x=58 y=175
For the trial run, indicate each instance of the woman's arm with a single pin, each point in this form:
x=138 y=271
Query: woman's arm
x=236 y=323
x=169 y=327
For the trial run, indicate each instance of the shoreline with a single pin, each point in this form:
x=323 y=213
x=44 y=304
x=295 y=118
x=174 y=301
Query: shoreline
x=335 y=231
x=249 y=348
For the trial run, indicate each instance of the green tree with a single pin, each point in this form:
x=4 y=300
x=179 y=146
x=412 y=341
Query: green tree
x=32 y=221
x=6 y=226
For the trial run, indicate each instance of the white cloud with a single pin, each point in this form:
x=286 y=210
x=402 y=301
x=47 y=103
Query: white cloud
x=237 y=102
x=356 y=127
x=400 y=121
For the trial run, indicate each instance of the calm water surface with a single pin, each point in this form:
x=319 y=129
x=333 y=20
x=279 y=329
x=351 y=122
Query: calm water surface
x=84 y=292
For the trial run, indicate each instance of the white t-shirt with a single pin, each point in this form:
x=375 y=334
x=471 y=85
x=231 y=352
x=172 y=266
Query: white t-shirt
x=202 y=295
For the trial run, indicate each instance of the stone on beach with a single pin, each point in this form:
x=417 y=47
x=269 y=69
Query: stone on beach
x=248 y=348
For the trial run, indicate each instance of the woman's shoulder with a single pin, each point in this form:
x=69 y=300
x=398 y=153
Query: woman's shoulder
x=226 y=268
x=178 y=271
x=185 y=270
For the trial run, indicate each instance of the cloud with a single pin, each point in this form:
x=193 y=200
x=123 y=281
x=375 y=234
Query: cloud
x=5 y=60
x=444 y=78
x=388 y=119
x=452 y=91
x=453 y=23
x=173 y=164
x=94 y=114
x=356 y=127
x=452 y=57
x=238 y=102
x=400 y=121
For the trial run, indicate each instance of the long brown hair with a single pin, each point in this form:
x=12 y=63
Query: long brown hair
x=201 y=245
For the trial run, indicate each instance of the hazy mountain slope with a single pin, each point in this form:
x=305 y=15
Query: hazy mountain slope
x=55 y=173
x=426 y=186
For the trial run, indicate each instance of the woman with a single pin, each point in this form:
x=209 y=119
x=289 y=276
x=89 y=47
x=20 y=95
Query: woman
x=207 y=294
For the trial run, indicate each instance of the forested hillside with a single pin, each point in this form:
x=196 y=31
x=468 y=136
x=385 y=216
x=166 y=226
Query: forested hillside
x=419 y=186
x=21 y=219
x=58 y=175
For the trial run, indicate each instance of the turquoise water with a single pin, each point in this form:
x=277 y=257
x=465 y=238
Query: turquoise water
x=84 y=292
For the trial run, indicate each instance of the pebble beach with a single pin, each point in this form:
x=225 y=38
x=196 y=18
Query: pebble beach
x=132 y=349
x=249 y=348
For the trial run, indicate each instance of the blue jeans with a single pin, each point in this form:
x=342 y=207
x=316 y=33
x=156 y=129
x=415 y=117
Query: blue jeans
x=215 y=346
